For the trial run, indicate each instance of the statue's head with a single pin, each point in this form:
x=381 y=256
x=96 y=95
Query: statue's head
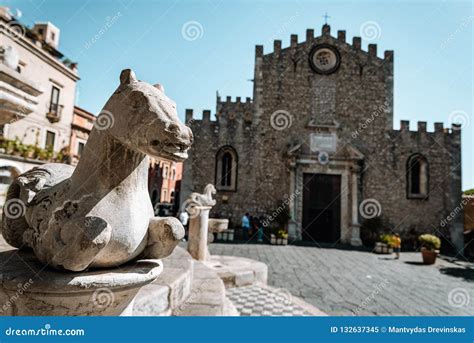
x=143 y=118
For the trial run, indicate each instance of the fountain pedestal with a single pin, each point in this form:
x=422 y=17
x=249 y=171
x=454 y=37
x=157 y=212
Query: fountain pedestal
x=28 y=288
x=198 y=233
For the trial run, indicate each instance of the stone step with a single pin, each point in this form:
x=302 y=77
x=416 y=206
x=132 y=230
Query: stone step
x=171 y=288
x=238 y=271
x=208 y=295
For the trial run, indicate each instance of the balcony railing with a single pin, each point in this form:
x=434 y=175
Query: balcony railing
x=54 y=113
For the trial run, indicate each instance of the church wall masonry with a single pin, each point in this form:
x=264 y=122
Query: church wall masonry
x=327 y=97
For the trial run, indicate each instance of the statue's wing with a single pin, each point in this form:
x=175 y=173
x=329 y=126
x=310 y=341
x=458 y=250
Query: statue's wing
x=21 y=193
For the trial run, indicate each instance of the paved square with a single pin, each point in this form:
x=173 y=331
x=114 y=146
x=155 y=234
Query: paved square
x=258 y=301
x=347 y=282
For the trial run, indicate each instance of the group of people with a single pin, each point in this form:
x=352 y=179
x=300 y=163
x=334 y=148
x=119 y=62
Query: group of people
x=252 y=225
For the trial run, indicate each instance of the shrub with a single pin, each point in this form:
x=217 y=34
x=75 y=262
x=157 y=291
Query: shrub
x=388 y=239
x=370 y=230
x=430 y=242
x=279 y=232
x=385 y=239
x=282 y=216
x=17 y=148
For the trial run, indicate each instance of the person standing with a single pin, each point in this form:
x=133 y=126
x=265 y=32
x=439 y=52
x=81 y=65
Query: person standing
x=260 y=229
x=246 y=226
x=397 y=244
x=184 y=219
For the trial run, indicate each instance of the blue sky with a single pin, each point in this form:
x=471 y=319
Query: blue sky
x=432 y=41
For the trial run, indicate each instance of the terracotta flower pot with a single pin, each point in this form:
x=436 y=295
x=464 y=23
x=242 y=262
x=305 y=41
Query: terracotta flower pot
x=429 y=256
x=382 y=248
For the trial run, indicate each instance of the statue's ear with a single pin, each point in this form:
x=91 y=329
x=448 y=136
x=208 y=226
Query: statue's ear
x=127 y=76
x=160 y=87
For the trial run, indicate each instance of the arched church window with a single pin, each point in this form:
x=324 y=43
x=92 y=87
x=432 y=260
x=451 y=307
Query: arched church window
x=226 y=172
x=417 y=177
x=226 y=169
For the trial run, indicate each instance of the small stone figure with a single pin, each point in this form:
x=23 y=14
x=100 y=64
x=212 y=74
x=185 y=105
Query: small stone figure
x=100 y=214
x=201 y=227
x=204 y=199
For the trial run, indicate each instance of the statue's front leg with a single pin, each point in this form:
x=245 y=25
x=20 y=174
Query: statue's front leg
x=164 y=234
x=72 y=244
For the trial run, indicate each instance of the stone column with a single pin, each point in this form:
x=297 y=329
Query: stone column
x=198 y=233
x=355 y=226
x=198 y=206
x=292 y=224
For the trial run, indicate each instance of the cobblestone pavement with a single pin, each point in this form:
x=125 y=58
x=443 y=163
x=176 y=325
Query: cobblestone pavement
x=348 y=282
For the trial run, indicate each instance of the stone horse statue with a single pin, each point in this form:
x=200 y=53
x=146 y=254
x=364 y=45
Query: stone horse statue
x=100 y=214
x=204 y=199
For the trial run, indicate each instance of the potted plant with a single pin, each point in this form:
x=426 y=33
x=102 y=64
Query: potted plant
x=37 y=152
x=280 y=237
x=29 y=152
x=10 y=147
x=384 y=245
x=430 y=245
x=227 y=235
x=279 y=232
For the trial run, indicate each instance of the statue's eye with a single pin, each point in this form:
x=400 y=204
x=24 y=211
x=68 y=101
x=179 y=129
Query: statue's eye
x=137 y=100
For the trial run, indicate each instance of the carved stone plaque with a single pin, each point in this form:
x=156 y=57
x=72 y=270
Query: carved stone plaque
x=323 y=142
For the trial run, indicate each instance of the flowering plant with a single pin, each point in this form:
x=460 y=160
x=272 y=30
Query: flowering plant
x=430 y=242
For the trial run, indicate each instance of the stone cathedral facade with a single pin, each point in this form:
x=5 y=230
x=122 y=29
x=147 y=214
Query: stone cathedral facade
x=318 y=138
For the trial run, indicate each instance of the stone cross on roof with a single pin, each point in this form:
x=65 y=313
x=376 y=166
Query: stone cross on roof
x=325 y=16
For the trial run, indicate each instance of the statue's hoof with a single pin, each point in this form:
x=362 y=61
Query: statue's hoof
x=164 y=234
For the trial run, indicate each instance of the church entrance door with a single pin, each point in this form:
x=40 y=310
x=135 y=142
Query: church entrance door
x=321 y=207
